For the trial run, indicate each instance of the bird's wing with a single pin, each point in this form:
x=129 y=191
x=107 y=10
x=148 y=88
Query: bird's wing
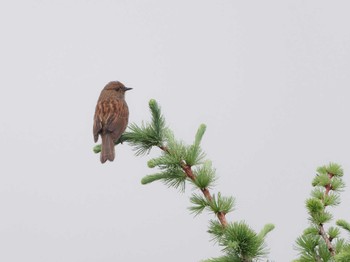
x=111 y=116
x=118 y=119
x=97 y=129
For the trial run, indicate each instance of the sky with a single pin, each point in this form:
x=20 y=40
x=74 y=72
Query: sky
x=270 y=79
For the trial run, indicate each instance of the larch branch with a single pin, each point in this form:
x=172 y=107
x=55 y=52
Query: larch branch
x=189 y=173
x=322 y=231
x=326 y=239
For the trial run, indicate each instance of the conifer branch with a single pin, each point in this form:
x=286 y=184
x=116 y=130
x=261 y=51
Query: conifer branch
x=329 y=186
x=322 y=232
x=179 y=163
x=326 y=240
x=188 y=171
x=222 y=218
x=316 y=243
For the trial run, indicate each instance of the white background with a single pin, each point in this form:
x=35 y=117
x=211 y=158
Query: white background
x=270 y=79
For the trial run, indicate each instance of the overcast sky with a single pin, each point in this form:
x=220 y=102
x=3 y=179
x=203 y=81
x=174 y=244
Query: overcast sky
x=270 y=79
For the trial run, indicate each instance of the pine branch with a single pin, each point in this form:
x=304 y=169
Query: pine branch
x=326 y=240
x=189 y=173
x=322 y=232
x=344 y=224
x=179 y=163
x=316 y=243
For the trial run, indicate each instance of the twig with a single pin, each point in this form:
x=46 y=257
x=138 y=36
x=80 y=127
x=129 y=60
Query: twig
x=326 y=239
x=329 y=186
x=189 y=173
x=322 y=232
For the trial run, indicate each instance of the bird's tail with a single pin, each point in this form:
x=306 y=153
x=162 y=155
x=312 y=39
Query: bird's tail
x=107 y=152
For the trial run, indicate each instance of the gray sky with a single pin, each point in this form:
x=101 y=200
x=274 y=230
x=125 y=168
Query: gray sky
x=270 y=79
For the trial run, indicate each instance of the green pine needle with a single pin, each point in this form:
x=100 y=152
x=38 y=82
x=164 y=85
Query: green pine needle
x=194 y=154
x=205 y=176
x=323 y=251
x=151 y=178
x=171 y=177
x=97 y=149
x=314 y=205
x=320 y=218
x=344 y=254
x=267 y=229
x=337 y=184
x=333 y=232
x=312 y=248
x=240 y=239
x=321 y=180
x=143 y=138
x=344 y=224
x=331 y=199
x=313 y=231
x=216 y=205
x=318 y=193
x=216 y=230
x=221 y=204
x=176 y=150
x=199 y=204
x=199 y=134
x=306 y=245
x=332 y=168
x=158 y=122
x=165 y=161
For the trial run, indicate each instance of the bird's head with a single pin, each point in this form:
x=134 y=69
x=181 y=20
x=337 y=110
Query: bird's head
x=117 y=86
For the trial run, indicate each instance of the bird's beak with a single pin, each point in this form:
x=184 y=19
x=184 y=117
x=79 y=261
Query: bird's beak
x=127 y=88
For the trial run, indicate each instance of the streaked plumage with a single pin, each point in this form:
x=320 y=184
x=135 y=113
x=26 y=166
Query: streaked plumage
x=111 y=118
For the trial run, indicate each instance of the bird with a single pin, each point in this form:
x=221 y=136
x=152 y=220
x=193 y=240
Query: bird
x=111 y=118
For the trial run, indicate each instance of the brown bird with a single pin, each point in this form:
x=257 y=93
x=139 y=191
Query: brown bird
x=111 y=117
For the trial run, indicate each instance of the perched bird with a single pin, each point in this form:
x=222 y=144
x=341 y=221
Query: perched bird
x=111 y=117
